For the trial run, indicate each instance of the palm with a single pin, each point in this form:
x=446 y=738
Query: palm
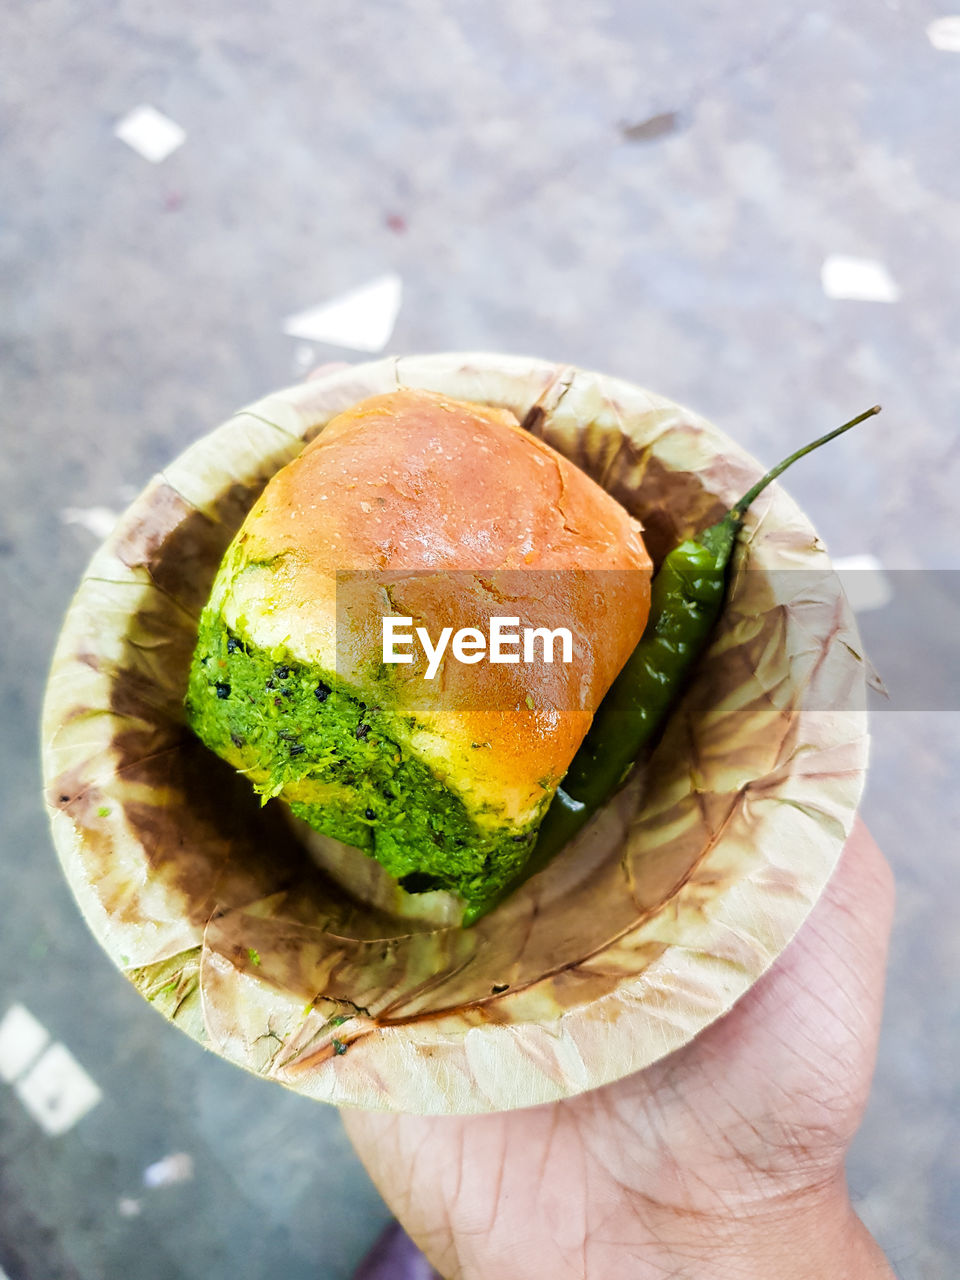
x=763 y=1104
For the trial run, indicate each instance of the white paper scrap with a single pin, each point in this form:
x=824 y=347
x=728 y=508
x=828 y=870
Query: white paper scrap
x=173 y=1168
x=22 y=1038
x=150 y=133
x=865 y=584
x=362 y=320
x=96 y=520
x=304 y=358
x=944 y=33
x=858 y=279
x=57 y=1091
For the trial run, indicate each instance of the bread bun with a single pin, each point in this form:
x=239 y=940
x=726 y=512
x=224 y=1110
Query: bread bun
x=417 y=505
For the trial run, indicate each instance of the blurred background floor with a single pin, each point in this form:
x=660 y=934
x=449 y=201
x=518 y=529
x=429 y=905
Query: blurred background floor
x=752 y=209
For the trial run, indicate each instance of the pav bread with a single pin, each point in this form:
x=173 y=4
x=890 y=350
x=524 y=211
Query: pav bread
x=431 y=513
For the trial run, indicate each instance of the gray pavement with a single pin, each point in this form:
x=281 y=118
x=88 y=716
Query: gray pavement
x=649 y=190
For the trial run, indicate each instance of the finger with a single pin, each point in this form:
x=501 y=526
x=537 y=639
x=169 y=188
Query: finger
x=848 y=931
x=825 y=991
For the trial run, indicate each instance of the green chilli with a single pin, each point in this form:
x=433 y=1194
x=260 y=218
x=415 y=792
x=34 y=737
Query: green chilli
x=686 y=599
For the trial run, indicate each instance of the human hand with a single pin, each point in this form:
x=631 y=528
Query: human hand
x=724 y=1160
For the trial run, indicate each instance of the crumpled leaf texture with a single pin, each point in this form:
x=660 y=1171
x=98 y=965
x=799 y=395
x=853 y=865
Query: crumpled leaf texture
x=662 y=913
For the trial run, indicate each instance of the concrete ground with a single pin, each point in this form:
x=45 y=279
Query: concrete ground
x=650 y=190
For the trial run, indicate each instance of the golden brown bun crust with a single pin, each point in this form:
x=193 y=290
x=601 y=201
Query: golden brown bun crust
x=416 y=481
